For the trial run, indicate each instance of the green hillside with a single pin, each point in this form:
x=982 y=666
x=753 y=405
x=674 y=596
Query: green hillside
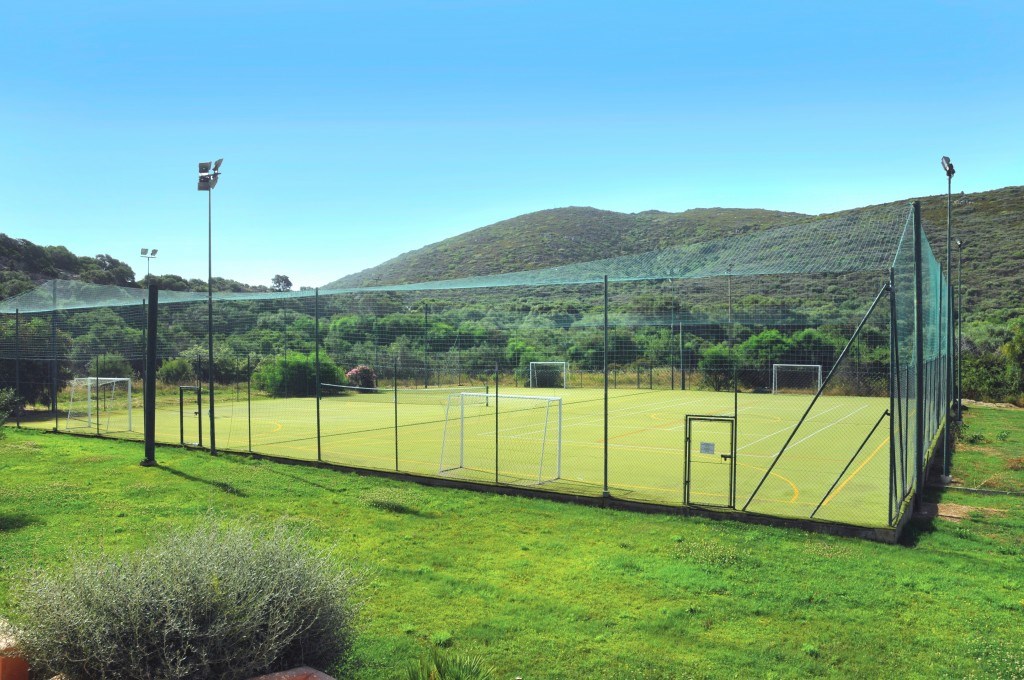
x=24 y=265
x=990 y=223
x=561 y=236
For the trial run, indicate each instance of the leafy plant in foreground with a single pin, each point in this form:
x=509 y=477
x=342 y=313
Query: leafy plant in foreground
x=215 y=602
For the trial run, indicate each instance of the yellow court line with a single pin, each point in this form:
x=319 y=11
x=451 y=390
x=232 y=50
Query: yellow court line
x=796 y=489
x=859 y=468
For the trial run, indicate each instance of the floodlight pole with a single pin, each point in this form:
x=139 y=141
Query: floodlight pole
x=947 y=165
x=209 y=312
x=208 y=175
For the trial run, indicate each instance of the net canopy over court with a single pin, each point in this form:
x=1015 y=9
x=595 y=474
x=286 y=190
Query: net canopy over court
x=798 y=371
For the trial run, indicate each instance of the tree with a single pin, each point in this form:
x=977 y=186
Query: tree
x=280 y=283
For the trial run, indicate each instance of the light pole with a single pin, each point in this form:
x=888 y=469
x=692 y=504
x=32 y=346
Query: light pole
x=149 y=255
x=947 y=165
x=960 y=331
x=207 y=181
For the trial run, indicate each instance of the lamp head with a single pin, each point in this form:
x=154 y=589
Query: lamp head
x=152 y=253
x=208 y=174
x=947 y=165
x=145 y=251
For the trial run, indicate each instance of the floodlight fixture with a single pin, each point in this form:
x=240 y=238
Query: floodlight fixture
x=208 y=174
x=149 y=255
x=947 y=165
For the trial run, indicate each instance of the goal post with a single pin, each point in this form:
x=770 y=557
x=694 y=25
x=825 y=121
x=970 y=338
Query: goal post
x=796 y=378
x=549 y=374
x=529 y=437
x=100 y=403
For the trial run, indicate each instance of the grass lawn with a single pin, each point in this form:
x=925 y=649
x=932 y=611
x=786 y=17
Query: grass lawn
x=548 y=590
x=990 y=452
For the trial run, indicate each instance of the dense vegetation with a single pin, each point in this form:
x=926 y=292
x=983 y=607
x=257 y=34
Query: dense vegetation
x=539 y=589
x=471 y=333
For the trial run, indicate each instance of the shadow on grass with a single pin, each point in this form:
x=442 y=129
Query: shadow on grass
x=18 y=520
x=222 y=486
x=283 y=473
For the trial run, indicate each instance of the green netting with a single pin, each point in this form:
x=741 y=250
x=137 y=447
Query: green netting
x=787 y=346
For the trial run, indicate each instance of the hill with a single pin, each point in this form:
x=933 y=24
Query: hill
x=24 y=265
x=561 y=236
x=990 y=223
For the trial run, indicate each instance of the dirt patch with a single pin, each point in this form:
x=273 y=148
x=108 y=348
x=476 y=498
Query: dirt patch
x=954 y=512
x=989 y=404
x=1015 y=463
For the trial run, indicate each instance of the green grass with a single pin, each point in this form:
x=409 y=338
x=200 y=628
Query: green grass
x=646 y=443
x=541 y=589
x=990 y=451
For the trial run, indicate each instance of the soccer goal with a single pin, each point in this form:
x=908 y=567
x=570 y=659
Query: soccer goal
x=796 y=378
x=529 y=439
x=100 y=404
x=549 y=374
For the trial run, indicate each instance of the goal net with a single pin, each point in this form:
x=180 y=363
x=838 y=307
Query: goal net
x=103 y=404
x=529 y=441
x=549 y=374
x=796 y=378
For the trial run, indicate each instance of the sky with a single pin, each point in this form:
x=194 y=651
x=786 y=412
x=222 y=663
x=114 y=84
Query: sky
x=352 y=132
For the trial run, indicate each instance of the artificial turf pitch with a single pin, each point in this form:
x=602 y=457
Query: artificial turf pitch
x=646 y=443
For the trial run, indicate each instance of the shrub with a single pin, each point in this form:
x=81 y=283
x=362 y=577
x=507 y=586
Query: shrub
x=441 y=665
x=9 y=401
x=177 y=371
x=294 y=375
x=215 y=602
x=107 y=366
x=362 y=376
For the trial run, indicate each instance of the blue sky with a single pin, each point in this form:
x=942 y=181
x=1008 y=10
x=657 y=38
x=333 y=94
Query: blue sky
x=353 y=132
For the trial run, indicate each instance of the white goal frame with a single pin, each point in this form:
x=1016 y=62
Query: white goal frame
x=459 y=412
x=563 y=364
x=807 y=367
x=93 y=386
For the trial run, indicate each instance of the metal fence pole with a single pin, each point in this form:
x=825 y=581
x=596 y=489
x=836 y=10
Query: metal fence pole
x=605 y=491
x=53 y=358
x=918 y=354
x=17 y=366
x=248 y=397
x=316 y=354
x=394 y=398
x=149 y=393
x=497 y=368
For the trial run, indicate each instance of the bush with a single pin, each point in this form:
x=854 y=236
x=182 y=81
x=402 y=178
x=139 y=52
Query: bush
x=177 y=371
x=362 y=376
x=294 y=375
x=9 y=401
x=218 y=602
x=107 y=366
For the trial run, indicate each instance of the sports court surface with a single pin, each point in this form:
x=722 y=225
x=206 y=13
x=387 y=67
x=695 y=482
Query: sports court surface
x=836 y=466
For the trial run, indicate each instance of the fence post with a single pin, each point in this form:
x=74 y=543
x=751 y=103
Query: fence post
x=918 y=356
x=316 y=350
x=394 y=397
x=53 y=358
x=248 y=397
x=17 y=366
x=605 y=491
x=893 y=368
x=496 y=382
x=149 y=393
